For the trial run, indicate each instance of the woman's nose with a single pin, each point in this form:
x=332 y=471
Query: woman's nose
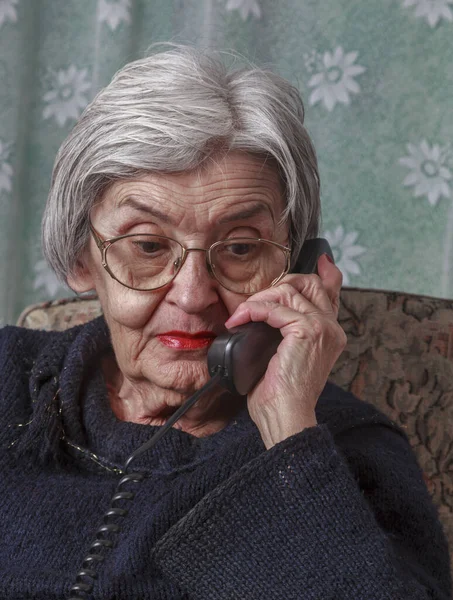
x=193 y=289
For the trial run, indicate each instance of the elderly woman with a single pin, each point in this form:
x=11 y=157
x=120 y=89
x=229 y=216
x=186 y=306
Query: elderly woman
x=183 y=197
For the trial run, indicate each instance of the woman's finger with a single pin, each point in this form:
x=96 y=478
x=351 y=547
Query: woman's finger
x=285 y=295
x=332 y=280
x=304 y=294
x=275 y=314
x=323 y=290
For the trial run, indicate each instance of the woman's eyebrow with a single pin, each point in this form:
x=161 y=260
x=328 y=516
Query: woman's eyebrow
x=245 y=213
x=255 y=209
x=136 y=204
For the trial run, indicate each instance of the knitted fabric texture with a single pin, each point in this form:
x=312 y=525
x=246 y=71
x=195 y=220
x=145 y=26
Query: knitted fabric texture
x=338 y=511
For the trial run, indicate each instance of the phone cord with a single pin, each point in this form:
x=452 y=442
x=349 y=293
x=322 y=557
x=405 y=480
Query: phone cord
x=108 y=532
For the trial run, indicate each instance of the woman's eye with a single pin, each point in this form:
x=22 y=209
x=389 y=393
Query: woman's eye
x=149 y=247
x=239 y=249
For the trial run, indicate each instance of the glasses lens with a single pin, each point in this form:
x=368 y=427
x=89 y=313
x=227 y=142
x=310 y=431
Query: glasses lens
x=144 y=262
x=247 y=265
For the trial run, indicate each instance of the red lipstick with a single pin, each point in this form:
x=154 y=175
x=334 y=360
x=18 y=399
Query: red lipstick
x=182 y=340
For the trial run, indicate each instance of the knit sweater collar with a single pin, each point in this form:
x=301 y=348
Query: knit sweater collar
x=67 y=379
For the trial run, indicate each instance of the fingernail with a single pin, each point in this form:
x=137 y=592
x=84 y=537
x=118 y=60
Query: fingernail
x=329 y=258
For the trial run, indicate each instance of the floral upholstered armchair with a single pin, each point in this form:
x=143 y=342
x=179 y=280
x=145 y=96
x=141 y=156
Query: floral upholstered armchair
x=399 y=357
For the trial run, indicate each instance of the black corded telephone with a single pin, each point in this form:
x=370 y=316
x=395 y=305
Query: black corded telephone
x=236 y=360
x=242 y=354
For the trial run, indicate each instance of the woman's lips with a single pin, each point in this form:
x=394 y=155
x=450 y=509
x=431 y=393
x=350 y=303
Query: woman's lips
x=182 y=340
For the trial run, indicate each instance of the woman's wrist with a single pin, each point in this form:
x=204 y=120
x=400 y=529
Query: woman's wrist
x=278 y=431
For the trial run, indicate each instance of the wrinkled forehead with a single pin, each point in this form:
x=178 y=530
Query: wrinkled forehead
x=237 y=185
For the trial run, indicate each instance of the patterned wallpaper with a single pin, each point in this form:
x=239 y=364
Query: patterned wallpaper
x=376 y=77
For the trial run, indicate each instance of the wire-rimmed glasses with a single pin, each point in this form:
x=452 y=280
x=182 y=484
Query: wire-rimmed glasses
x=146 y=262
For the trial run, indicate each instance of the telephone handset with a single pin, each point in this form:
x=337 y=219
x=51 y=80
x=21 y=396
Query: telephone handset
x=242 y=354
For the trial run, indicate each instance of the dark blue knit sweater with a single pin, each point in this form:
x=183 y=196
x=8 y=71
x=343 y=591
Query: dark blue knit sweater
x=338 y=511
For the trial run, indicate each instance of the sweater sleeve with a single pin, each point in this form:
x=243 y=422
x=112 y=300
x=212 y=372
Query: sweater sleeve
x=315 y=518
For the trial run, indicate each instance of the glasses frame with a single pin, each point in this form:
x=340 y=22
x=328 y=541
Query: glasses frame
x=104 y=245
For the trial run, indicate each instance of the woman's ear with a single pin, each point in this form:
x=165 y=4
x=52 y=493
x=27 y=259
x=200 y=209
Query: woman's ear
x=80 y=279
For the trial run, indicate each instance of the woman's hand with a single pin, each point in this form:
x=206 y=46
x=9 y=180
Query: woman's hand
x=305 y=309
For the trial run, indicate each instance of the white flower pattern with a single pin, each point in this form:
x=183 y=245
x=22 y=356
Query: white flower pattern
x=66 y=99
x=432 y=10
x=334 y=81
x=45 y=278
x=113 y=12
x=245 y=8
x=8 y=11
x=6 y=170
x=345 y=251
x=429 y=174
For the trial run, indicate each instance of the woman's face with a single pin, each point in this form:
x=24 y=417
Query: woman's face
x=240 y=195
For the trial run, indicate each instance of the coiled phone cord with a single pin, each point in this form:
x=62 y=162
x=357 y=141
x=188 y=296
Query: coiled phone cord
x=106 y=534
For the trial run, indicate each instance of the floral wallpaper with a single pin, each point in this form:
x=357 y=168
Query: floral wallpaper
x=376 y=78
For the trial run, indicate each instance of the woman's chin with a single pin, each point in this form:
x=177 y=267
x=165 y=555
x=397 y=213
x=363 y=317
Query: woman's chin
x=183 y=376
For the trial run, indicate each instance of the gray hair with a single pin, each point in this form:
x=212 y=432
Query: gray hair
x=171 y=112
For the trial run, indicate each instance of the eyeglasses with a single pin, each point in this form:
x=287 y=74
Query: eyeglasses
x=146 y=262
